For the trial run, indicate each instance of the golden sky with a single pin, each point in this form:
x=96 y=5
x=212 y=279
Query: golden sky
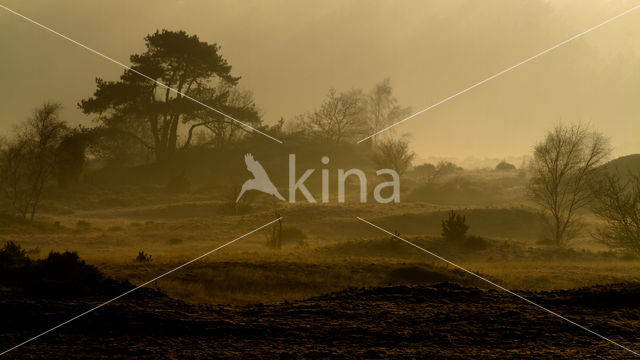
x=289 y=53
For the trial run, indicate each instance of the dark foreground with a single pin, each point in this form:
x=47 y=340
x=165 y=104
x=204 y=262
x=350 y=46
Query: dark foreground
x=439 y=321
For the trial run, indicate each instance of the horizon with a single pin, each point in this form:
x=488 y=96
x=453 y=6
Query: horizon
x=593 y=77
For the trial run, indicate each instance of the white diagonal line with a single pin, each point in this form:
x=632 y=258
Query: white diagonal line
x=141 y=74
x=140 y=286
x=498 y=286
x=502 y=72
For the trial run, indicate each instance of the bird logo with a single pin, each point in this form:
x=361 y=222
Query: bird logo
x=260 y=181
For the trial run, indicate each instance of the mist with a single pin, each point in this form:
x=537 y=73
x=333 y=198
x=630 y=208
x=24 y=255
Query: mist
x=291 y=53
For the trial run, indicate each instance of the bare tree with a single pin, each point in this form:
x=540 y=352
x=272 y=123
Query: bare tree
x=339 y=118
x=617 y=202
x=393 y=154
x=382 y=107
x=561 y=168
x=29 y=161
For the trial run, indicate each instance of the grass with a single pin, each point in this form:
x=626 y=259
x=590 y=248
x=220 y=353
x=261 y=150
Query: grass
x=339 y=251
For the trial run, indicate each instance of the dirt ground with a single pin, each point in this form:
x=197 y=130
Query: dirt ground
x=441 y=321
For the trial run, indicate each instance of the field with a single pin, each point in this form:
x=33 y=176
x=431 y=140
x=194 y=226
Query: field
x=344 y=288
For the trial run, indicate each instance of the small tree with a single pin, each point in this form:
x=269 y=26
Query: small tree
x=143 y=257
x=339 y=118
x=28 y=162
x=393 y=154
x=381 y=107
x=454 y=228
x=561 y=168
x=617 y=202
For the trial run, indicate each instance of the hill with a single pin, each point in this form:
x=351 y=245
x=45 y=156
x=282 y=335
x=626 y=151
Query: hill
x=625 y=164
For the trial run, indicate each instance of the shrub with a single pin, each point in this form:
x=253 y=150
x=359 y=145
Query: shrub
x=454 y=228
x=174 y=241
x=505 y=166
x=424 y=170
x=60 y=274
x=474 y=242
x=67 y=267
x=13 y=255
x=143 y=257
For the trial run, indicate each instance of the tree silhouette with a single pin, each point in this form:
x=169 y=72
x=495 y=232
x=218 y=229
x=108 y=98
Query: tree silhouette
x=382 y=107
x=150 y=113
x=28 y=162
x=562 y=167
x=393 y=154
x=339 y=118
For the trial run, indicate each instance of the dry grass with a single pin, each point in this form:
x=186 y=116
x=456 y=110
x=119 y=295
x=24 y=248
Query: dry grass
x=340 y=252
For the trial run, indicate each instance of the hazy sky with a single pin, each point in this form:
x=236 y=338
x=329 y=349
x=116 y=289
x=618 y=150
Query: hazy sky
x=289 y=53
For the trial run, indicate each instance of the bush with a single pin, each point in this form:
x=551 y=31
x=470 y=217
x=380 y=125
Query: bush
x=174 y=241
x=424 y=170
x=505 y=166
x=143 y=257
x=474 y=242
x=13 y=255
x=60 y=274
x=454 y=228
x=67 y=267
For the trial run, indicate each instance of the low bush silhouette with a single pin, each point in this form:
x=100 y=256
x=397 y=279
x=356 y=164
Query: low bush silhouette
x=59 y=274
x=505 y=166
x=454 y=228
x=143 y=257
x=454 y=231
x=67 y=267
x=12 y=255
x=473 y=242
